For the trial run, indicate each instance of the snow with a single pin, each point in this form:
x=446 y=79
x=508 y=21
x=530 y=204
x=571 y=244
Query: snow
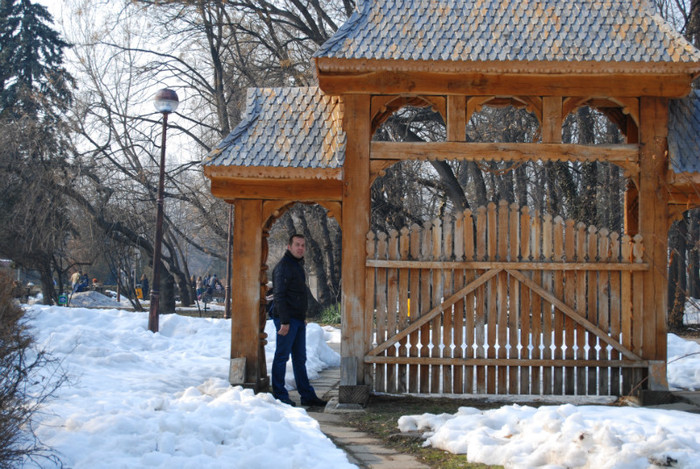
x=691 y=313
x=565 y=436
x=140 y=400
x=683 y=364
x=585 y=436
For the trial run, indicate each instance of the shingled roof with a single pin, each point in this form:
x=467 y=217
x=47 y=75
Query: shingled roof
x=283 y=129
x=528 y=34
x=684 y=134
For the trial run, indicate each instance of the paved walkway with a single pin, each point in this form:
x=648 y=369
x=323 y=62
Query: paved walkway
x=362 y=449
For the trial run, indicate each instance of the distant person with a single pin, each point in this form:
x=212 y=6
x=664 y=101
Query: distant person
x=200 y=287
x=216 y=283
x=82 y=285
x=75 y=278
x=289 y=316
x=144 y=285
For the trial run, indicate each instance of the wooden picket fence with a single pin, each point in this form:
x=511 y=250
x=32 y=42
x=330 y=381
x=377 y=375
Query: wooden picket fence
x=504 y=301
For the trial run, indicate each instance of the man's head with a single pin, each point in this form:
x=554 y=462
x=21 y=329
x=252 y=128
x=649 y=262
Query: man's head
x=297 y=245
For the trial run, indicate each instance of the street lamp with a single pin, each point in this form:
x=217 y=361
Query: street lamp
x=165 y=101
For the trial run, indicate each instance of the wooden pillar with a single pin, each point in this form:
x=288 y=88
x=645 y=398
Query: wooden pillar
x=653 y=226
x=456 y=118
x=552 y=119
x=245 y=303
x=355 y=225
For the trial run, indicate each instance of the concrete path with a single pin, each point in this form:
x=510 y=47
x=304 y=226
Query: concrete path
x=362 y=449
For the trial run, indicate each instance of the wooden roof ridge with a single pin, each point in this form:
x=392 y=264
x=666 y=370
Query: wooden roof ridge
x=534 y=36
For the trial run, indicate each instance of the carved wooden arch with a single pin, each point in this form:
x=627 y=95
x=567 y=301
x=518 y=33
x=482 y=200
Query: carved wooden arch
x=532 y=104
x=619 y=110
x=274 y=209
x=383 y=107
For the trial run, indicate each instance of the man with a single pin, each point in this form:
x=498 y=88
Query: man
x=289 y=316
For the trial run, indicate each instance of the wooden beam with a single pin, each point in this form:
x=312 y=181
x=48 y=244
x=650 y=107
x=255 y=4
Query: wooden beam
x=487 y=265
x=303 y=190
x=619 y=154
x=624 y=85
x=356 y=322
x=245 y=304
x=505 y=362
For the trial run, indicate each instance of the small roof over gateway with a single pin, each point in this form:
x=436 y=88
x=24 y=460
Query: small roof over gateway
x=283 y=129
x=517 y=36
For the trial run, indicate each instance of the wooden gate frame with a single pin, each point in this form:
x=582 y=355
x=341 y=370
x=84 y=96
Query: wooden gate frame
x=634 y=93
x=644 y=159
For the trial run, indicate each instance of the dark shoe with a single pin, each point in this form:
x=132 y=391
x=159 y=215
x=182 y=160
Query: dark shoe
x=288 y=402
x=315 y=402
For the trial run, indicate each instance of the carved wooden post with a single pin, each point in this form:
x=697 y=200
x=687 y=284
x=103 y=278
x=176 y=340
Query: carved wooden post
x=245 y=307
x=355 y=225
x=653 y=226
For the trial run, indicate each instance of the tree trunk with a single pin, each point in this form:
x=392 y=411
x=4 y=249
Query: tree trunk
x=47 y=289
x=676 y=274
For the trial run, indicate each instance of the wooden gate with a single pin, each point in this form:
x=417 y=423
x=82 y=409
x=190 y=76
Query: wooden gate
x=504 y=301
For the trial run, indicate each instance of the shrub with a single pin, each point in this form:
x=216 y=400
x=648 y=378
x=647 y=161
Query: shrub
x=331 y=315
x=25 y=385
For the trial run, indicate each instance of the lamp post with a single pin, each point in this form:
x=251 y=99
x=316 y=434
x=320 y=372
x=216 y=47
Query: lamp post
x=165 y=101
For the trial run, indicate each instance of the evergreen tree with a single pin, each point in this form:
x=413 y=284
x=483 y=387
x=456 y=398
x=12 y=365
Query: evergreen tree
x=33 y=82
x=35 y=91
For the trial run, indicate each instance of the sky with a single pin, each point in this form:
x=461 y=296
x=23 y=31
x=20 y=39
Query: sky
x=138 y=400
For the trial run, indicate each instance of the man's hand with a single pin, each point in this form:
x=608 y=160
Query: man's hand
x=284 y=329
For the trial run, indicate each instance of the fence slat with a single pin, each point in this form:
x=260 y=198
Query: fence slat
x=438 y=284
x=615 y=308
x=392 y=280
x=502 y=297
x=404 y=274
x=414 y=305
x=458 y=339
x=547 y=312
x=447 y=315
x=426 y=250
x=581 y=243
x=569 y=298
x=537 y=343
x=513 y=300
x=480 y=330
x=525 y=314
x=558 y=376
x=592 y=307
x=469 y=323
x=370 y=279
x=603 y=310
x=381 y=312
x=492 y=306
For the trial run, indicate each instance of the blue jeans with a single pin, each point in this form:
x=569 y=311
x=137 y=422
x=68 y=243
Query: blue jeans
x=295 y=343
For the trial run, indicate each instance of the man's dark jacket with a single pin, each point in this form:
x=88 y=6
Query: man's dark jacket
x=289 y=287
